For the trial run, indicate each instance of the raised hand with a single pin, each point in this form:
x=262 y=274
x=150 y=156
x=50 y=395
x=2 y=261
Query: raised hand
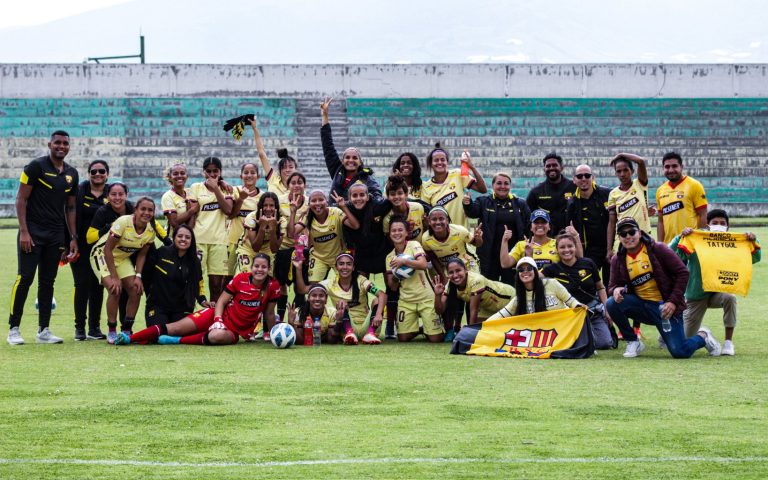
x=339 y=200
x=438 y=286
x=529 y=246
x=325 y=105
x=507 y=234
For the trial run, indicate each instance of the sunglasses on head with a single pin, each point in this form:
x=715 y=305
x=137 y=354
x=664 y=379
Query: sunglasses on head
x=525 y=268
x=583 y=175
x=628 y=232
x=98 y=171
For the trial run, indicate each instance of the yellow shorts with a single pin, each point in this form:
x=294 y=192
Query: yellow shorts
x=123 y=267
x=409 y=314
x=214 y=258
x=233 y=262
x=318 y=269
x=361 y=323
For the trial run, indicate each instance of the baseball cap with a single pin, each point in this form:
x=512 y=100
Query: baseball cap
x=528 y=260
x=627 y=222
x=539 y=214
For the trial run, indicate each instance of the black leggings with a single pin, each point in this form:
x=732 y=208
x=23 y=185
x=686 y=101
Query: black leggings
x=46 y=257
x=89 y=294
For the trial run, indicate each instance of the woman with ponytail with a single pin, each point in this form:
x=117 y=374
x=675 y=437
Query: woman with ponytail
x=276 y=181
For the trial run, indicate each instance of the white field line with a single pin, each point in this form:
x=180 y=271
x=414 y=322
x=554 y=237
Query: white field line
x=366 y=461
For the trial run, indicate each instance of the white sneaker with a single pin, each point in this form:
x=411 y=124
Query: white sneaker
x=728 y=348
x=710 y=342
x=662 y=343
x=14 y=337
x=47 y=337
x=634 y=349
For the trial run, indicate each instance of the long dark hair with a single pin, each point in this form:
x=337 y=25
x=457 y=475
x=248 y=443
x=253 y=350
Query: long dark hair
x=191 y=269
x=453 y=289
x=365 y=216
x=304 y=309
x=260 y=207
x=416 y=174
x=438 y=148
x=310 y=212
x=355 y=287
x=539 y=304
x=282 y=154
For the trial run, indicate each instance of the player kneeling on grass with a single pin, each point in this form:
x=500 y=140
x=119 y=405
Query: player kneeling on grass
x=417 y=300
x=697 y=300
x=244 y=300
x=485 y=297
x=317 y=308
x=349 y=292
x=647 y=284
x=534 y=293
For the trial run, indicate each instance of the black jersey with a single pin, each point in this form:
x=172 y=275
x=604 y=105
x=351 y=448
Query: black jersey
x=46 y=215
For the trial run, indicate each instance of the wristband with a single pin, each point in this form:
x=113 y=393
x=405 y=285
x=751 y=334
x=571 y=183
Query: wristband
x=138 y=275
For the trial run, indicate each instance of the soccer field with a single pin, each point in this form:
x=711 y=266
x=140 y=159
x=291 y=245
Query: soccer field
x=90 y=410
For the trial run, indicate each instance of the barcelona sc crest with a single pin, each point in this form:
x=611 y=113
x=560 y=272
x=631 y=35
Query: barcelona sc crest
x=522 y=342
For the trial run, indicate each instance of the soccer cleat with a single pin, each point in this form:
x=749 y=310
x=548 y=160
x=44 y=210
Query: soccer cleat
x=14 y=337
x=728 y=348
x=257 y=335
x=168 y=340
x=122 y=339
x=111 y=337
x=710 y=342
x=267 y=337
x=634 y=348
x=96 y=335
x=350 y=338
x=80 y=335
x=45 y=336
x=390 y=336
x=371 y=339
x=449 y=336
x=662 y=343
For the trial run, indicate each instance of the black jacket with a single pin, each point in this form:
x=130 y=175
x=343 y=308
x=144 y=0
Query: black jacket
x=484 y=209
x=590 y=219
x=336 y=169
x=552 y=197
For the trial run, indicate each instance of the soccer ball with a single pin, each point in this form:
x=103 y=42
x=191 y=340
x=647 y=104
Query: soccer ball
x=53 y=304
x=404 y=271
x=282 y=335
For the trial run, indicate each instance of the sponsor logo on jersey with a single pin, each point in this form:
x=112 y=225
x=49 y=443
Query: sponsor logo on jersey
x=127 y=249
x=644 y=278
x=209 y=207
x=680 y=195
x=671 y=208
x=628 y=204
x=446 y=199
x=250 y=303
x=244 y=213
x=325 y=238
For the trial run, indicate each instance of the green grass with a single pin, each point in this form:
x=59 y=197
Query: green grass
x=253 y=403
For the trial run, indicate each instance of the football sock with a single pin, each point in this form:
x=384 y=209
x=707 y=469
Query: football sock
x=196 y=339
x=112 y=327
x=149 y=335
x=127 y=324
x=282 y=302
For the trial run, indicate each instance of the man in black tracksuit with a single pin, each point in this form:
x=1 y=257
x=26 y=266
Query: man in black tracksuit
x=588 y=211
x=553 y=193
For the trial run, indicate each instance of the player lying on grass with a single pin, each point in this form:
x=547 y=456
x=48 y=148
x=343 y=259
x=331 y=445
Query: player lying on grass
x=238 y=309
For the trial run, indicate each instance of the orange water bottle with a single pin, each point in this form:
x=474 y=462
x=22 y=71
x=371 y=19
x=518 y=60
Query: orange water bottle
x=464 y=165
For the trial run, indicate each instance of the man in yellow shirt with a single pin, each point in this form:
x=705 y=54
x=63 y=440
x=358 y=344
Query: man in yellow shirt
x=647 y=284
x=682 y=201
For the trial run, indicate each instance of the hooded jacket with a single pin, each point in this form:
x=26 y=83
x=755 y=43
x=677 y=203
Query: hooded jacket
x=337 y=172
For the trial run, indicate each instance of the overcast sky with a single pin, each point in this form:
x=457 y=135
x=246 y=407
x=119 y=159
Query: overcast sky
x=395 y=31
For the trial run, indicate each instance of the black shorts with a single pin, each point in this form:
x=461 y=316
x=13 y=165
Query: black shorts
x=157 y=316
x=283 y=265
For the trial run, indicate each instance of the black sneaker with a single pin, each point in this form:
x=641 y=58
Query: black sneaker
x=96 y=335
x=80 y=335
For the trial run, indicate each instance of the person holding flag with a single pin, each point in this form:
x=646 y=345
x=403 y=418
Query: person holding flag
x=697 y=299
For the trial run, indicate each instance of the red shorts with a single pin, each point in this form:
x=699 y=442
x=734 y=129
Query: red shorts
x=205 y=318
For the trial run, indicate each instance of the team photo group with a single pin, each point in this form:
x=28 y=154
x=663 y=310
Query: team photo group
x=230 y=262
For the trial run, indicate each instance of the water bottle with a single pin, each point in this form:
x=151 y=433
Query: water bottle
x=316 y=332
x=464 y=165
x=300 y=244
x=666 y=325
x=308 y=335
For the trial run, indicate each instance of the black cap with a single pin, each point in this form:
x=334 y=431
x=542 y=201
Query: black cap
x=627 y=222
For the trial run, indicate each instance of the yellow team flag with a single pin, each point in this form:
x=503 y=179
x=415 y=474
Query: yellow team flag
x=725 y=259
x=552 y=334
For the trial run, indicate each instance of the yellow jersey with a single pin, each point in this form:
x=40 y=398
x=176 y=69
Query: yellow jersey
x=556 y=297
x=275 y=184
x=285 y=212
x=251 y=223
x=449 y=194
x=679 y=205
x=249 y=205
x=415 y=218
x=493 y=295
x=172 y=202
x=211 y=223
x=358 y=308
x=128 y=240
x=543 y=254
x=417 y=288
x=454 y=246
x=641 y=275
x=326 y=319
x=631 y=203
x=327 y=238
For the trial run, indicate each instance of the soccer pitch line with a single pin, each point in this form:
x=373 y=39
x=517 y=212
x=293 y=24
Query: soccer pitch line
x=364 y=461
